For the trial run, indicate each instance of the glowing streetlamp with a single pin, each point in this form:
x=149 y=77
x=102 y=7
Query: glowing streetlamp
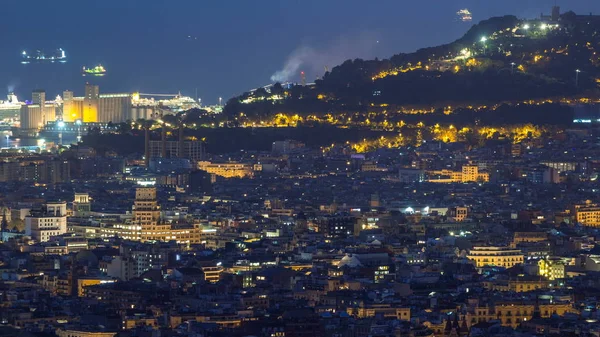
x=483 y=41
x=577 y=71
x=78 y=123
x=60 y=125
x=512 y=67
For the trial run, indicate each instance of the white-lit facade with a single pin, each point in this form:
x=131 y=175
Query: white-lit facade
x=41 y=225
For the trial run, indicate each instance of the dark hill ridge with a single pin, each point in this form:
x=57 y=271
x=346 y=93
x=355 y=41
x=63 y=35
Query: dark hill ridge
x=499 y=60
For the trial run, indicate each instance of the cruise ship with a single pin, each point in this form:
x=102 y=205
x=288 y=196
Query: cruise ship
x=465 y=15
x=173 y=104
x=10 y=108
x=98 y=70
x=39 y=56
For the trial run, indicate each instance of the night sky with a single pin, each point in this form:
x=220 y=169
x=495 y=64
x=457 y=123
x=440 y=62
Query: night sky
x=224 y=47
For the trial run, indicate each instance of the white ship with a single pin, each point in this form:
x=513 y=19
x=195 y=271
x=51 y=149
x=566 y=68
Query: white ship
x=10 y=108
x=465 y=15
x=174 y=104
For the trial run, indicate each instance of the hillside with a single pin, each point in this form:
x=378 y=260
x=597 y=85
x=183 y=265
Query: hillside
x=500 y=62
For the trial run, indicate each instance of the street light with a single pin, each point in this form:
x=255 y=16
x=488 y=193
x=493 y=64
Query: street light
x=61 y=126
x=7 y=137
x=526 y=27
x=512 y=67
x=483 y=41
x=577 y=71
x=78 y=123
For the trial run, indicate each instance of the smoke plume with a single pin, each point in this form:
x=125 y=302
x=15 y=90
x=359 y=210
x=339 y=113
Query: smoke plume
x=313 y=60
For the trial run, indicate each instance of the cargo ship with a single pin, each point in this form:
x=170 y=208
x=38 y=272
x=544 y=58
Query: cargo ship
x=96 y=71
x=39 y=56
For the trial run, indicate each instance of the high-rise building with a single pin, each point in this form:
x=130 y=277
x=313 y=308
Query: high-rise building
x=57 y=171
x=91 y=103
x=49 y=221
x=52 y=171
x=9 y=171
x=338 y=226
x=146 y=224
x=35 y=115
x=134 y=261
x=70 y=113
x=38 y=97
x=146 y=215
x=191 y=150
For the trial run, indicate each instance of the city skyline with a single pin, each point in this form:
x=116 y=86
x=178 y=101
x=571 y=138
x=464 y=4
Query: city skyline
x=450 y=191
x=193 y=51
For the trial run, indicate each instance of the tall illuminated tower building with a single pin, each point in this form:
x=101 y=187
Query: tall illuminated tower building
x=35 y=115
x=69 y=112
x=90 y=103
x=38 y=97
x=146 y=216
